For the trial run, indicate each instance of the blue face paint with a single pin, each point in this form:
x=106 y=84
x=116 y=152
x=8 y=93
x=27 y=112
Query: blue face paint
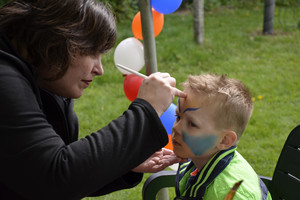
x=187 y=109
x=191 y=109
x=199 y=144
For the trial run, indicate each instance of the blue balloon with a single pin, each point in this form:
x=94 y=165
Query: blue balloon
x=166 y=6
x=168 y=118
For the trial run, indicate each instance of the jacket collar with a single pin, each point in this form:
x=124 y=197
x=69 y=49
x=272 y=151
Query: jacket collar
x=193 y=187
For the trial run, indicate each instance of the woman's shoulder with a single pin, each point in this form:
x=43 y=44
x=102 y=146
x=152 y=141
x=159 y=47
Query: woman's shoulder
x=14 y=77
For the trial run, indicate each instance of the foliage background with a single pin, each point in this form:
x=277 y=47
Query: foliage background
x=124 y=9
x=234 y=45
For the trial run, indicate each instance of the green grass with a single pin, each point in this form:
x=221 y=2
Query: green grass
x=234 y=45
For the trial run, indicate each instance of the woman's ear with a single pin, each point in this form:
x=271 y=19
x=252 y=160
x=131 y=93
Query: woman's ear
x=227 y=140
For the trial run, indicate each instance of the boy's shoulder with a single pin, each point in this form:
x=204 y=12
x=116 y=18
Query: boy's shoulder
x=193 y=184
x=238 y=169
x=217 y=178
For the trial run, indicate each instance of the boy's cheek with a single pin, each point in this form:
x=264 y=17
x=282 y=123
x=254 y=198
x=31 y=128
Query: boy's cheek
x=179 y=152
x=182 y=151
x=180 y=148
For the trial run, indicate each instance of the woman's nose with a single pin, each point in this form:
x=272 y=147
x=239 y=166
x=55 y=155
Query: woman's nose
x=98 y=69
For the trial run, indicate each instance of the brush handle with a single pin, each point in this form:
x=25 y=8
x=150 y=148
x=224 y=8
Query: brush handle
x=131 y=71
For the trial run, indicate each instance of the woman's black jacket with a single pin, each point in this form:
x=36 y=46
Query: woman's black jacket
x=40 y=156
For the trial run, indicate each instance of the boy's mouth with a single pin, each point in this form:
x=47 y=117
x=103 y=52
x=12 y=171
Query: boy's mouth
x=175 y=143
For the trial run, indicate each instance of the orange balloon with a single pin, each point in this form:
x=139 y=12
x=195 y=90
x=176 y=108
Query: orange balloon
x=169 y=145
x=158 y=23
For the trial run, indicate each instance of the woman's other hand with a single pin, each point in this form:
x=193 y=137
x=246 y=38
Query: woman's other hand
x=158 y=161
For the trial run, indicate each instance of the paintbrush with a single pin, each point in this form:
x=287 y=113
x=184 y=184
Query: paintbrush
x=131 y=71
x=233 y=190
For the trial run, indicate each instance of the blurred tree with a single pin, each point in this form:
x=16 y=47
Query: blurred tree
x=123 y=9
x=199 y=21
x=268 y=17
x=2 y=2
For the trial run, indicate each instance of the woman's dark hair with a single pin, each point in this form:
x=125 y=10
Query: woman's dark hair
x=53 y=30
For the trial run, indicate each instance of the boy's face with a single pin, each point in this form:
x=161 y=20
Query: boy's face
x=194 y=132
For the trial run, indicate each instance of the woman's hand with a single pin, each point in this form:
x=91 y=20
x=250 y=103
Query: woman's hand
x=159 y=90
x=158 y=161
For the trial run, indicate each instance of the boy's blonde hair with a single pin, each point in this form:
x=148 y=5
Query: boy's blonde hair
x=230 y=99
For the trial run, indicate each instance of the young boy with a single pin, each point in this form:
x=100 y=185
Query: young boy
x=209 y=124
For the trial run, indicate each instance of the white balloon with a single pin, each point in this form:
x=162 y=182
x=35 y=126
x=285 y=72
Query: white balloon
x=130 y=53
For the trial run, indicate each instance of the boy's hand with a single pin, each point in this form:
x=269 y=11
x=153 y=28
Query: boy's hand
x=158 y=161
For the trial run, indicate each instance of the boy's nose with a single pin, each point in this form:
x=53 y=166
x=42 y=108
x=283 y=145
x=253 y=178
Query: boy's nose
x=177 y=129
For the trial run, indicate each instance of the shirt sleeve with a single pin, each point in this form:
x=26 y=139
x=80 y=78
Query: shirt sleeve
x=37 y=164
x=128 y=180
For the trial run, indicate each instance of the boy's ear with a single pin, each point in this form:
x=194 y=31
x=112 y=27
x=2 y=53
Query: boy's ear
x=228 y=139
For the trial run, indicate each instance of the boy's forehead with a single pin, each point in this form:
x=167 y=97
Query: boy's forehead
x=190 y=102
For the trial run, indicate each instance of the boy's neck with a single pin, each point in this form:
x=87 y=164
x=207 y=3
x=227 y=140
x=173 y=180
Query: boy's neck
x=200 y=161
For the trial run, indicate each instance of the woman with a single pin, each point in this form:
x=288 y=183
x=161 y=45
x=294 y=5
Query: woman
x=50 y=51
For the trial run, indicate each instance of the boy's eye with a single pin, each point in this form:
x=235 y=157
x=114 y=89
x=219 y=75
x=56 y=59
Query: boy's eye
x=177 y=117
x=192 y=124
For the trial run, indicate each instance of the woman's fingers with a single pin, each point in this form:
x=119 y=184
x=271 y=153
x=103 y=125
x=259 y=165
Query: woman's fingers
x=159 y=90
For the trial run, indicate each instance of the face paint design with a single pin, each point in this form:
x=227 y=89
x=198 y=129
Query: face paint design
x=187 y=109
x=199 y=144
